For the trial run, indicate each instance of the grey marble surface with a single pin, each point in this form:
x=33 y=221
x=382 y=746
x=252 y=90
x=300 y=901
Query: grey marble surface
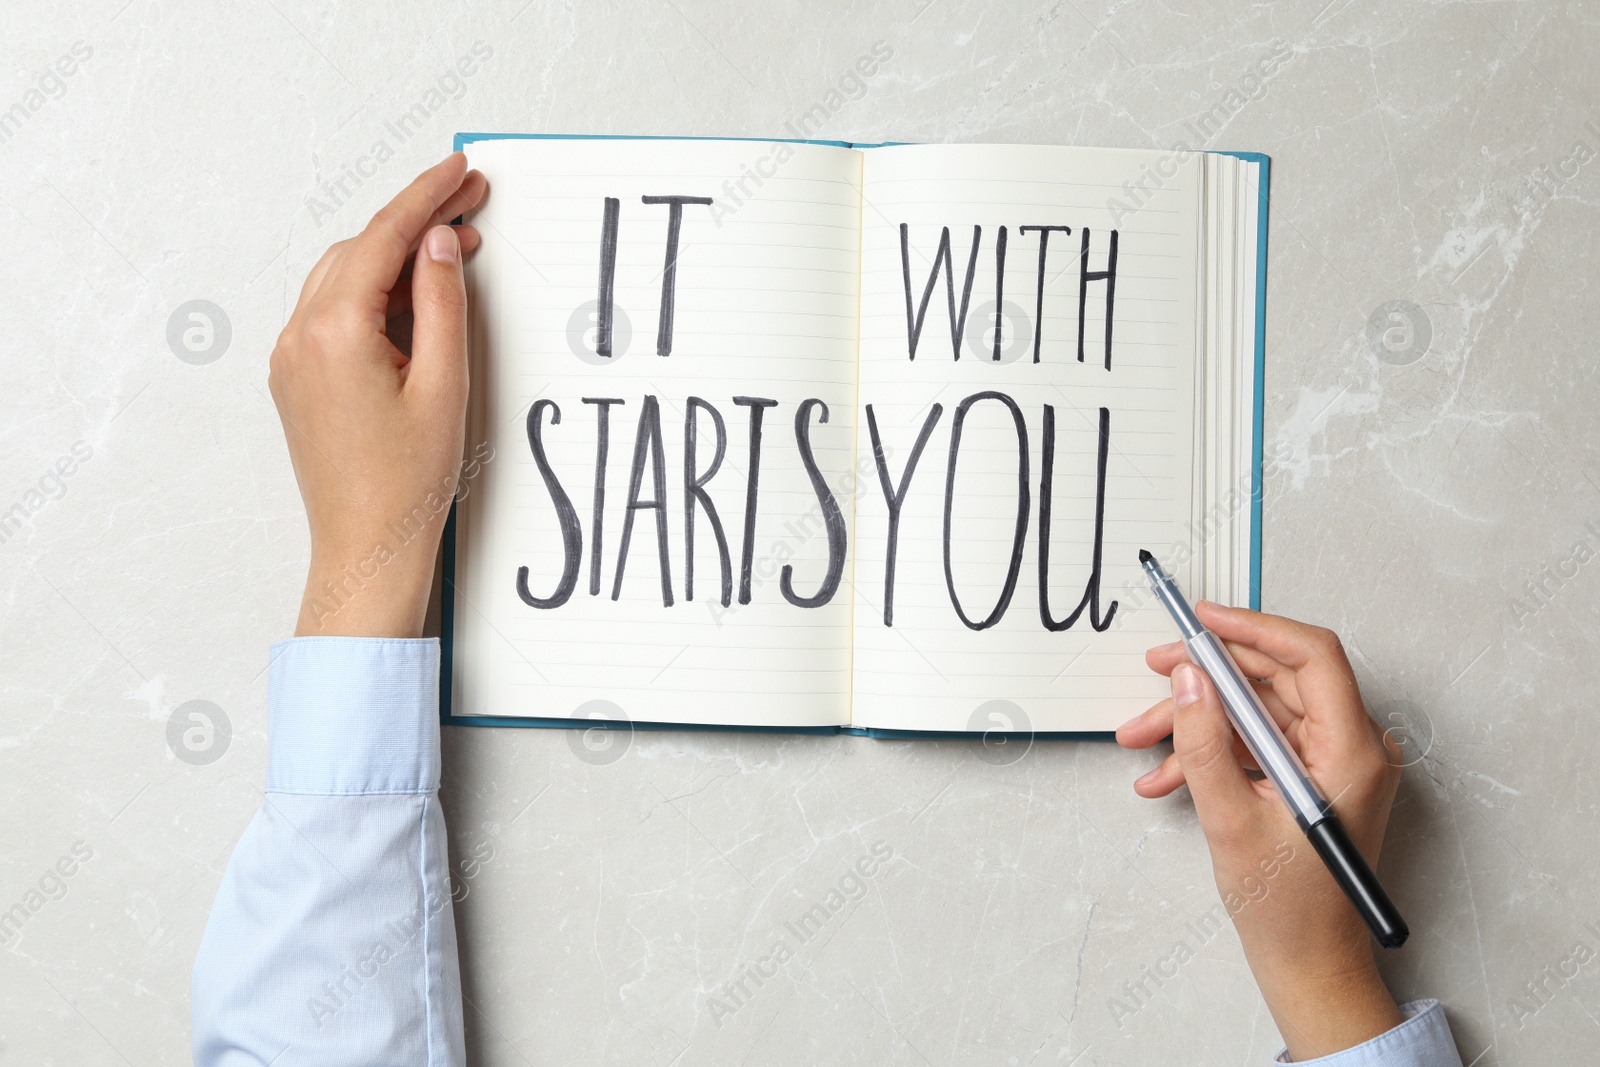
x=1440 y=154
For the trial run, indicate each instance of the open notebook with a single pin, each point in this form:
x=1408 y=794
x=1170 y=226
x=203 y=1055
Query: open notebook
x=825 y=437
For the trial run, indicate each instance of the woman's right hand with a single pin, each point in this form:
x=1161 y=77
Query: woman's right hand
x=1310 y=952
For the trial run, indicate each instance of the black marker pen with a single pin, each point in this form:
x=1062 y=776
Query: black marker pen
x=1279 y=761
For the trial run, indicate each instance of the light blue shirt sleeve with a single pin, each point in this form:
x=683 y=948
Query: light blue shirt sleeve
x=1421 y=1040
x=332 y=941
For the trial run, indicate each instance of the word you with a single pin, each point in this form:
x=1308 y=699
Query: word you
x=51 y=885
x=1138 y=992
x=851 y=887
x=451 y=85
x=52 y=485
x=50 y=85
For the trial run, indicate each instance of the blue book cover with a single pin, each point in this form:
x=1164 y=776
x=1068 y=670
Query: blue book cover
x=450 y=595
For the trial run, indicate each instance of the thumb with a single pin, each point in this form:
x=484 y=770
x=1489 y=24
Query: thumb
x=439 y=334
x=1202 y=738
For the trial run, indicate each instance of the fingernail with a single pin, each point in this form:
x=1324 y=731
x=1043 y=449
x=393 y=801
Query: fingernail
x=1168 y=647
x=1146 y=778
x=1185 y=685
x=1130 y=722
x=443 y=247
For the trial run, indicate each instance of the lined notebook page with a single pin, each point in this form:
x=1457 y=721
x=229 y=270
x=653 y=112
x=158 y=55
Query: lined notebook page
x=765 y=307
x=929 y=670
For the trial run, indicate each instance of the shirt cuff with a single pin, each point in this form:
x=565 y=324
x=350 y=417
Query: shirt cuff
x=353 y=715
x=1422 y=1040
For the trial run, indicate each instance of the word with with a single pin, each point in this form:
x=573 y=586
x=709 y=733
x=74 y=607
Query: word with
x=851 y=887
x=1547 y=180
x=943 y=261
x=335 y=993
x=1552 y=980
x=409 y=528
x=50 y=85
x=1542 y=587
x=52 y=485
x=451 y=85
x=648 y=454
x=1253 y=84
x=850 y=87
x=1139 y=992
x=52 y=885
x=801 y=530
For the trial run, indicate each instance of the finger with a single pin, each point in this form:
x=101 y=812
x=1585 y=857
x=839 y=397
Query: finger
x=1154 y=725
x=1281 y=713
x=1153 y=784
x=438 y=369
x=1203 y=741
x=399 y=302
x=1160 y=782
x=1151 y=727
x=1335 y=729
x=1168 y=775
x=1296 y=645
x=1162 y=658
x=400 y=295
x=375 y=258
x=1254 y=663
x=1286 y=705
x=464 y=199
